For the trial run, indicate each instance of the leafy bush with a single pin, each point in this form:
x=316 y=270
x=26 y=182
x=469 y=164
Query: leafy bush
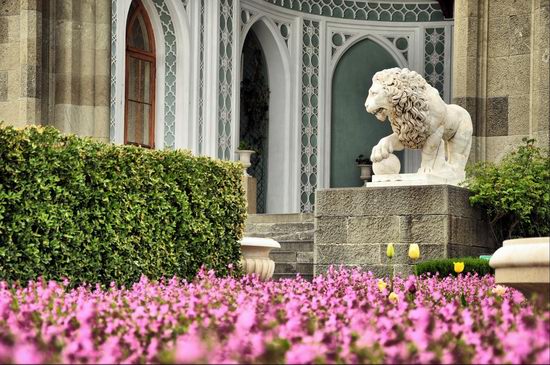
x=515 y=193
x=445 y=267
x=91 y=212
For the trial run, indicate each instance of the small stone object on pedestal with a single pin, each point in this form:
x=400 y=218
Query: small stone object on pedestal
x=388 y=166
x=366 y=172
x=244 y=158
x=255 y=260
x=524 y=264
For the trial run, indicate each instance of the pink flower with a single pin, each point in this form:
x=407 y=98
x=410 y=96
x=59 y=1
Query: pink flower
x=189 y=350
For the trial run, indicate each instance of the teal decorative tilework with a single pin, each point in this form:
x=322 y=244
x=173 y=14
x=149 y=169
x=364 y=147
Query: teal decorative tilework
x=366 y=10
x=434 y=58
x=225 y=70
x=169 y=73
x=310 y=114
x=113 y=71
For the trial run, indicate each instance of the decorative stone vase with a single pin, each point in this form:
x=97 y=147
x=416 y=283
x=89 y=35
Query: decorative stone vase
x=366 y=172
x=255 y=258
x=244 y=158
x=524 y=264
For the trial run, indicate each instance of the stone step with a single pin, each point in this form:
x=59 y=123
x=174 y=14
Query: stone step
x=281 y=232
x=285 y=268
x=282 y=256
x=297 y=246
x=280 y=218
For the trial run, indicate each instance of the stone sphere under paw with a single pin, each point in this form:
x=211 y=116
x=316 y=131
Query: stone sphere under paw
x=388 y=166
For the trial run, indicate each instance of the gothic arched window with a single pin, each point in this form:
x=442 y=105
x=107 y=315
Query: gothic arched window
x=139 y=116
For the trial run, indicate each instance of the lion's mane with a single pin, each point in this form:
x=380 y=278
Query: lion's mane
x=406 y=92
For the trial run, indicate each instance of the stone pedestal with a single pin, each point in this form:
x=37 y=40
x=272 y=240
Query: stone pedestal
x=524 y=264
x=354 y=225
x=250 y=186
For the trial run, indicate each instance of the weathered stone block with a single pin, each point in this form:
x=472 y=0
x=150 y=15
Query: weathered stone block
x=285 y=268
x=280 y=256
x=9 y=7
x=331 y=230
x=380 y=271
x=323 y=269
x=4 y=29
x=429 y=229
x=519 y=36
x=371 y=201
x=303 y=268
x=465 y=251
x=347 y=254
x=403 y=270
x=3 y=85
x=304 y=257
x=371 y=229
x=497 y=116
x=459 y=203
x=298 y=246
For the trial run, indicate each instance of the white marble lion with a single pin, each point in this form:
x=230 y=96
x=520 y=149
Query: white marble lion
x=420 y=119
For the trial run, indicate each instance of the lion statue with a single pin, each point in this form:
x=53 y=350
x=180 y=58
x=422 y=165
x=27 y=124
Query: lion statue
x=420 y=119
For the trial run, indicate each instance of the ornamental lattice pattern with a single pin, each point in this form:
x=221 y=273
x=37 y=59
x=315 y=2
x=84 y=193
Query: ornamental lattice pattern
x=225 y=70
x=434 y=58
x=366 y=10
x=113 y=71
x=310 y=114
x=169 y=74
x=201 y=78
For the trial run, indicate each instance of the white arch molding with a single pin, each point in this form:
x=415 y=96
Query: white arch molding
x=183 y=127
x=283 y=149
x=411 y=157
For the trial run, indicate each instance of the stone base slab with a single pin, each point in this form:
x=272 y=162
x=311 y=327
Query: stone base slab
x=409 y=180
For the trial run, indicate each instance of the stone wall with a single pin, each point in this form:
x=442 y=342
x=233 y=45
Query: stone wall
x=55 y=64
x=500 y=72
x=20 y=61
x=353 y=226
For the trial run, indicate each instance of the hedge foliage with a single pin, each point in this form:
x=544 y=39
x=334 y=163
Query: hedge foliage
x=515 y=192
x=93 y=212
x=445 y=267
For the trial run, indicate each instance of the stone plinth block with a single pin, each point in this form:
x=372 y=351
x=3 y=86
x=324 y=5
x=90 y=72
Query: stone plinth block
x=524 y=264
x=354 y=225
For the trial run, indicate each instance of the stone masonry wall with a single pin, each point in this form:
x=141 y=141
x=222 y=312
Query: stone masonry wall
x=354 y=225
x=55 y=64
x=500 y=72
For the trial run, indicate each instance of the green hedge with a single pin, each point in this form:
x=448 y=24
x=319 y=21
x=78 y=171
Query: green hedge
x=445 y=267
x=93 y=212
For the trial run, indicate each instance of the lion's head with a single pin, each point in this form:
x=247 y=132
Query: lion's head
x=400 y=95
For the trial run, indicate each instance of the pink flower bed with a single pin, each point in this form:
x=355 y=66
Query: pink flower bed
x=342 y=317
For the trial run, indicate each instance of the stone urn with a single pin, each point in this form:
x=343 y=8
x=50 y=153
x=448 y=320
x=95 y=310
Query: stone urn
x=524 y=264
x=255 y=258
x=366 y=172
x=244 y=158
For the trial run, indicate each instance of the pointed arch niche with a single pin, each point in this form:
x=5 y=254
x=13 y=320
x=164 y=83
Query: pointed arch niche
x=349 y=130
x=169 y=28
x=282 y=148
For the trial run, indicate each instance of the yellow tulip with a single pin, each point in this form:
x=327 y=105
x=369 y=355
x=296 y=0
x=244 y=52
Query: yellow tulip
x=393 y=297
x=414 y=251
x=382 y=285
x=459 y=267
x=390 y=251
